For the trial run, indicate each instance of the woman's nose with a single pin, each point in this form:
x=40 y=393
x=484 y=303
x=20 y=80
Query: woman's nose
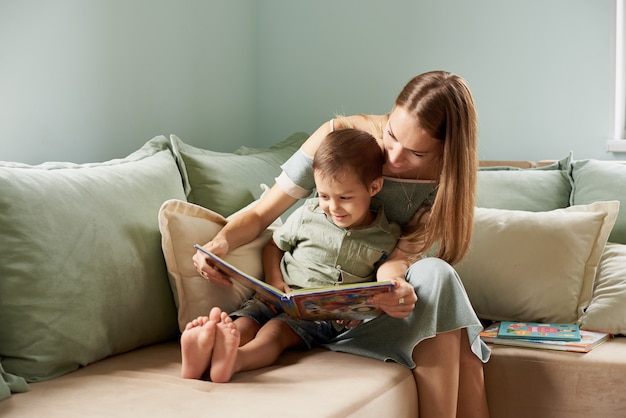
x=394 y=154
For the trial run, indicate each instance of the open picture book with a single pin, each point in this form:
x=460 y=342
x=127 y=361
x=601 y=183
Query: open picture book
x=344 y=301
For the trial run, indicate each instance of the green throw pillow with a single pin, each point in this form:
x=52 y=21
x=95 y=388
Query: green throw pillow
x=82 y=275
x=535 y=189
x=226 y=182
x=595 y=180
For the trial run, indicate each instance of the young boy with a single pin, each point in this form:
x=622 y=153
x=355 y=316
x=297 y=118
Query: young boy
x=338 y=237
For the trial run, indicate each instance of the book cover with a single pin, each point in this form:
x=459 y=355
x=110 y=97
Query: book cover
x=346 y=301
x=539 y=331
x=588 y=340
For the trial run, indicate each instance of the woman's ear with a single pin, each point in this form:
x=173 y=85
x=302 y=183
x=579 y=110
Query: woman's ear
x=376 y=185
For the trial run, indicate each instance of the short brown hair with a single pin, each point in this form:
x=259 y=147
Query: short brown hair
x=349 y=150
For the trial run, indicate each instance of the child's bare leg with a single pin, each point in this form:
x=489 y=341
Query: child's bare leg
x=271 y=340
x=247 y=327
x=196 y=342
x=264 y=350
x=225 y=352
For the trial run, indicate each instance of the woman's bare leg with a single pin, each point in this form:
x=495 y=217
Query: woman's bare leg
x=472 y=392
x=449 y=377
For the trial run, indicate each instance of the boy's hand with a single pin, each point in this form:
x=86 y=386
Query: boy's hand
x=280 y=285
x=349 y=323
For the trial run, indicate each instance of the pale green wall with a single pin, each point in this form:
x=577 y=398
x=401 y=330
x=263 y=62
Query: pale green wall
x=89 y=80
x=539 y=70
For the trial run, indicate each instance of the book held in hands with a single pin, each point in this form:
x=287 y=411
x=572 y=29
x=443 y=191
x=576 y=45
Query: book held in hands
x=344 y=301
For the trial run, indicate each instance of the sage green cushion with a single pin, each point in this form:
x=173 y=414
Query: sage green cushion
x=595 y=180
x=535 y=189
x=82 y=274
x=226 y=182
x=10 y=383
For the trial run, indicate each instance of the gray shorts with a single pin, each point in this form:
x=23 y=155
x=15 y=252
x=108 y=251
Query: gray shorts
x=312 y=333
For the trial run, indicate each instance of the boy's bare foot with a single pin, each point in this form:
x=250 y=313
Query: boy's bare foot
x=225 y=352
x=196 y=343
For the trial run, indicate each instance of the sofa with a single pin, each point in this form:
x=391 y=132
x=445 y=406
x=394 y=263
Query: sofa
x=96 y=283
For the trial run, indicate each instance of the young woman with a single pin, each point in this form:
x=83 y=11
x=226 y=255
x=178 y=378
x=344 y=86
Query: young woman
x=430 y=142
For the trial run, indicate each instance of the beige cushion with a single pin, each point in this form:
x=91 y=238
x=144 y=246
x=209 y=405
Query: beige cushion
x=184 y=224
x=536 y=266
x=607 y=310
x=523 y=382
x=146 y=383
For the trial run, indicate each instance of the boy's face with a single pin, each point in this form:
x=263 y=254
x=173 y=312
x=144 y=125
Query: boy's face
x=346 y=200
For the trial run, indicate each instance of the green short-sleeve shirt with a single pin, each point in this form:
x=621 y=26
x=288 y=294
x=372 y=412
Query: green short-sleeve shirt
x=319 y=253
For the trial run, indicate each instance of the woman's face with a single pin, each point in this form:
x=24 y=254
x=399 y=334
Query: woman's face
x=410 y=151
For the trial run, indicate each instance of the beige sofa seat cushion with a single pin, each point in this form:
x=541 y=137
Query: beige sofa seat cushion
x=526 y=382
x=146 y=382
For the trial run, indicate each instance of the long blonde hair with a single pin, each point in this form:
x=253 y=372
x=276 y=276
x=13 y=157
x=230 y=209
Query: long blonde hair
x=443 y=106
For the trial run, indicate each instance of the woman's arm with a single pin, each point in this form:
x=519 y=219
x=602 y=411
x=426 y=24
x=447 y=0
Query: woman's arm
x=242 y=229
x=246 y=226
x=401 y=302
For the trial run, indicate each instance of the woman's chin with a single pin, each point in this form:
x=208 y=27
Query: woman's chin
x=394 y=171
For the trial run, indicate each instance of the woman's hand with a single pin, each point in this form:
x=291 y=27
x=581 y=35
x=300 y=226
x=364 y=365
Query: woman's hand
x=400 y=302
x=218 y=247
x=242 y=229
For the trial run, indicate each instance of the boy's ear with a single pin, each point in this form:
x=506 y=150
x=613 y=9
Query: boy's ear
x=376 y=185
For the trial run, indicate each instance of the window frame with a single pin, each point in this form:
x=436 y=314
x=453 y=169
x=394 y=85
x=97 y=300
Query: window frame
x=617 y=133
